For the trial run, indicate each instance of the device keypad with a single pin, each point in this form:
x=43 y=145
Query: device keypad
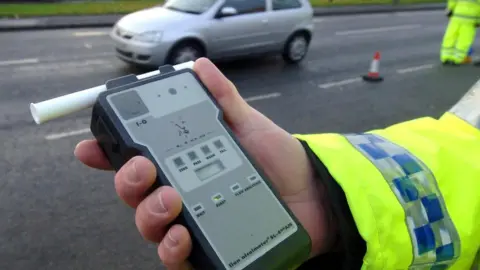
x=194 y=158
x=219 y=200
x=203 y=162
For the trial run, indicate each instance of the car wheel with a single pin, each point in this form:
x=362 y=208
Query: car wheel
x=296 y=48
x=184 y=52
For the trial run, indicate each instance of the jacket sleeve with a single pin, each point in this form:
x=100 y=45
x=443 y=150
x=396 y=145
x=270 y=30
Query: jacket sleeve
x=451 y=4
x=405 y=196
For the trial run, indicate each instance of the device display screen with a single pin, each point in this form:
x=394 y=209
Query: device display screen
x=210 y=170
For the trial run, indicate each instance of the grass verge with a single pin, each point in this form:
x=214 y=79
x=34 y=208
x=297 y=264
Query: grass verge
x=122 y=6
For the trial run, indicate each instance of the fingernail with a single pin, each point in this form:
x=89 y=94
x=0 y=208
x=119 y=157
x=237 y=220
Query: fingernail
x=156 y=204
x=171 y=239
x=75 y=149
x=132 y=172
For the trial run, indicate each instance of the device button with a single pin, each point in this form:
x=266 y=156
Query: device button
x=206 y=150
x=178 y=161
x=218 y=199
x=235 y=187
x=192 y=156
x=253 y=178
x=198 y=210
x=180 y=164
x=219 y=145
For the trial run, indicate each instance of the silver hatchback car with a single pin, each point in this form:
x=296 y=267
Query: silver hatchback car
x=184 y=30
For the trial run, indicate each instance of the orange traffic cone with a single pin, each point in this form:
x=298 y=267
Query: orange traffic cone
x=373 y=74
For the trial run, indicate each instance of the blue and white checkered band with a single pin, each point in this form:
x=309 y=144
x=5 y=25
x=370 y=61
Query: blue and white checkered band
x=435 y=240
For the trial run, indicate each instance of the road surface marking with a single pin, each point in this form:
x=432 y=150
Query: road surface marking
x=87 y=45
x=377 y=30
x=90 y=34
x=261 y=97
x=317 y=20
x=57 y=136
x=339 y=83
x=19 y=62
x=413 y=69
x=418 y=13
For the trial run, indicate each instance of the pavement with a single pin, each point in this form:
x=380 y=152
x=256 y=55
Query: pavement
x=56 y=214
x=56 y=22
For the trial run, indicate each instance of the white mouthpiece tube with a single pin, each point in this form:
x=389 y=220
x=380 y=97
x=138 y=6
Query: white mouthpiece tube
x=74 y=102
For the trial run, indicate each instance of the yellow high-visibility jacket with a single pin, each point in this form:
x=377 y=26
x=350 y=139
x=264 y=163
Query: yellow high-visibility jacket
x=467 y=10
x=410 y=192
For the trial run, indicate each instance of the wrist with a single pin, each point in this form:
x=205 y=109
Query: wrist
x=324 y=226
x=331 y=240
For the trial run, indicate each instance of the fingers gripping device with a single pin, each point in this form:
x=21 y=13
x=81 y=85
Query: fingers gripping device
x=236 y=219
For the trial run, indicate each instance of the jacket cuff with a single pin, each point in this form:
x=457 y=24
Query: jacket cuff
x=350 y=248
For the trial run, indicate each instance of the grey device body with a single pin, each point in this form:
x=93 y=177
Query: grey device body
x=236 y=220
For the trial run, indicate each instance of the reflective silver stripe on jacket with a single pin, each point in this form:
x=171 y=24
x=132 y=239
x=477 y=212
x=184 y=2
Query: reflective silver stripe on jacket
x=468 y=108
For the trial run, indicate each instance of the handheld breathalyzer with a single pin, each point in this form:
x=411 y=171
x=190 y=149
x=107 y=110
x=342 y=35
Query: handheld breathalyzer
x=236 y=220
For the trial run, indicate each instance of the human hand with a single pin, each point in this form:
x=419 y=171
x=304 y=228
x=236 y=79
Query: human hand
x=280 y=155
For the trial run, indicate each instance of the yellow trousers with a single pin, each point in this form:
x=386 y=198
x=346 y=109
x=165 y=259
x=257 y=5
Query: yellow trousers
x=459 y=37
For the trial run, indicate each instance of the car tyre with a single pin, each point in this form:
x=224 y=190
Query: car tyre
x=296 y=48
x=184 y=52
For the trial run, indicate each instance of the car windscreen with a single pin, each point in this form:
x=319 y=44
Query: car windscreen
x=189 y=6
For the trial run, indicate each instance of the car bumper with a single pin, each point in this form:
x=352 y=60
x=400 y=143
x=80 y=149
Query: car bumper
x=140 y=53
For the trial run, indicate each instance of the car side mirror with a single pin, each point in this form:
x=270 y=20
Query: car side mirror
x=227 y=11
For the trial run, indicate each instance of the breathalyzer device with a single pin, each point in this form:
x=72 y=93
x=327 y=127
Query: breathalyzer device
x=235 y=218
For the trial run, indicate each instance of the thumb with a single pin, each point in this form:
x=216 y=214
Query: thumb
x=235 y=108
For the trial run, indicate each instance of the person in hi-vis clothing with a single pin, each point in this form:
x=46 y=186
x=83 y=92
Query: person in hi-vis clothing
x=401 y=197
x=460 y=33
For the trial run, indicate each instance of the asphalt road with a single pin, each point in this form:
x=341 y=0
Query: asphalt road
x=57 y=214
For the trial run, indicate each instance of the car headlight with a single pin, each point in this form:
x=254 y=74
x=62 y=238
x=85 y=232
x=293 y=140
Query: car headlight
x=149 y=37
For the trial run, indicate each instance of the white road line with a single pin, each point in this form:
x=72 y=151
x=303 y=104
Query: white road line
x=418 y=13
x=339 y=83
x=19 y=62
x=317 y=20
x=377 y=30
x=413 y=69
x=57 y=136
x=261 y=97
x=87 y=45
x=90 y=34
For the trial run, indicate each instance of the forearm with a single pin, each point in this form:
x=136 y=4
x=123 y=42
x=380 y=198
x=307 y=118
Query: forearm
x=388 y=186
